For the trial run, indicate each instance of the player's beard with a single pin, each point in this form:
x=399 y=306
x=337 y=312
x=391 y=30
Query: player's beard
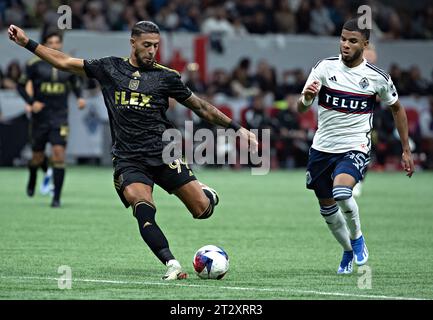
x=143 y=63
x=354 y=57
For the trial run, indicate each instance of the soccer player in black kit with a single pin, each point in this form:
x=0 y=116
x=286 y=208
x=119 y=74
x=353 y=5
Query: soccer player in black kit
x=49 y=117
x=136 y=92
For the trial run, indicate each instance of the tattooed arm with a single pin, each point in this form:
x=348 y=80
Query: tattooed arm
x=210 y=113
x=207 y=111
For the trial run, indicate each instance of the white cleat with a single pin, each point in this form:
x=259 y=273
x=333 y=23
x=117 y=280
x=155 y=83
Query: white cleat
x=47 y=187
x=174 y=271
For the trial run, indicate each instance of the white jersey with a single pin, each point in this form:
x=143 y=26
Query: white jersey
x=346 y=102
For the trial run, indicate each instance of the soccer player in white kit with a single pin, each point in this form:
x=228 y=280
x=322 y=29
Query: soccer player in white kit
x=346 y=87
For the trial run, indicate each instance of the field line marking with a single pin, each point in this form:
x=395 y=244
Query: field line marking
x=150 y=283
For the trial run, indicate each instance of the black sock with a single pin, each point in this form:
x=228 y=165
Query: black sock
x=209 y=211
x=44 y=165
x=144 y=212
x=58 y=177
x=32 y=177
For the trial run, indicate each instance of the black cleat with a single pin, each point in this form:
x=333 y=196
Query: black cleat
x=30 y=191
x=55 y=204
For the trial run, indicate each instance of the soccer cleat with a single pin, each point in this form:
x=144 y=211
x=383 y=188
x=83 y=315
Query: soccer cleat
x=214 y=193
x=30 y=191
x=174 y=271
x=360 y=251
x=346 y=264
x=46 y=187
x=55 y=203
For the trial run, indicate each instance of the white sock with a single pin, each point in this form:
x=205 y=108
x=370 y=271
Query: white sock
x=347 y=204
x=336 y=223
x=351 y=213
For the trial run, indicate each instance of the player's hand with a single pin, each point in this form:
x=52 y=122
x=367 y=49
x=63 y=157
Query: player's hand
x=37 y=106
x=81 y=103
x=312 y=90
x=251 y=138
x=17 y=35
x=408 y=165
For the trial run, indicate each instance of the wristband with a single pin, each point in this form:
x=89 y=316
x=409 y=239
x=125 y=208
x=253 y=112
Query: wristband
x=31 y=45
x=306 y=102
x=234 y=125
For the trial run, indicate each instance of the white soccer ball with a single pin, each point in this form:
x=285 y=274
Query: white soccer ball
x=211 y=262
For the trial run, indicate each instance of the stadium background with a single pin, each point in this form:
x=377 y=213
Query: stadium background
x=250 y=58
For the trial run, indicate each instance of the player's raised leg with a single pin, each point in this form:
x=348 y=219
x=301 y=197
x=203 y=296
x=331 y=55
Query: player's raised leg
x=58 y=173
x=34 y=163
x=139 y=196
x=198 y=198
x=342 y=192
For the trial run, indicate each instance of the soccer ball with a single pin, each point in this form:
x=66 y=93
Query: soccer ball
x=211 y=262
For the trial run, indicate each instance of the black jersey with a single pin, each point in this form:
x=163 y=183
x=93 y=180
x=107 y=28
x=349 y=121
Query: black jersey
x=137 y=100
x=50 y=86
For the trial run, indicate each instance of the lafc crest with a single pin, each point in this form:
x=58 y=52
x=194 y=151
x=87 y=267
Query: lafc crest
x=133 y=84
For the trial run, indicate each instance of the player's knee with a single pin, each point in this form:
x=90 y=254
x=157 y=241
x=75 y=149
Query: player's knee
x=343 y=196
x=203 y=209
x=58 y=156
x=37 y=159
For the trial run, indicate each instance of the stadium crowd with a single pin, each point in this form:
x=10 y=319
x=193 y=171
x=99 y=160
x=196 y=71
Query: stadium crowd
x=269 y=100
x=236 y=17
x=271 y=103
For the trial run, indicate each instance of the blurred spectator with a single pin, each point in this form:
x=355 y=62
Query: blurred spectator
x=220 y=83
x=285 y=20
x=116 y=9
x=77 y=8
x=93 y=19
x=416 y=84
x=167 y=18
x=127 y=19
x=339 y=13
x=141 y=8
x=321 y=23
x=192 y=79
x=191 y=22
x=242 y=82
x=303 y=17
x=293 y=145
x=238 y=28
x=13 y=73
x=256 y=116
x=217 y=22
x=15 y=14
x=293 y=83
x=265 y=77
x=426 y=128
x=385 y=143
x=397 y=78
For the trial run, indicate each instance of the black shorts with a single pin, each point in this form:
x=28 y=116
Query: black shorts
x=168 y=177
x=41 y=134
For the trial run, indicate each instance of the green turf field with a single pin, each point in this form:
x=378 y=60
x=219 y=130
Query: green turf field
x=279 y=246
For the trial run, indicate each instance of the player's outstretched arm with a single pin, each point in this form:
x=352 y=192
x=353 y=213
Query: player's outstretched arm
x=308 y=95
x=400 y=120
x=207 y=111
x=56 y=58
